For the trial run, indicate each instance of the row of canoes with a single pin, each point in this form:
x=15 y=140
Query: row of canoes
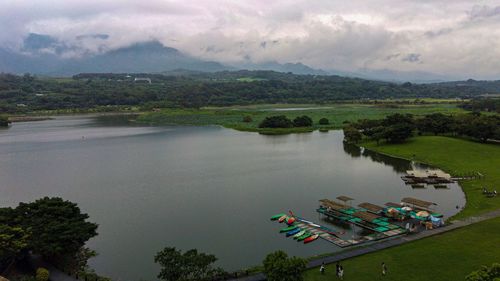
x=293 y=230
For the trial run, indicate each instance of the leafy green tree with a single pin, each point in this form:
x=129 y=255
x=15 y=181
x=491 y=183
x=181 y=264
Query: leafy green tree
x=188 y=266
x=280 y=121
x=352 y=135
x=4 y=121
x=279 y=267
x=324 y=121
x=13 y=240
x=436 y=123
x=57 y=227
x=302 y=121
x=485 y=273
x=42 y=274
x=484 y=127
x=398 y=132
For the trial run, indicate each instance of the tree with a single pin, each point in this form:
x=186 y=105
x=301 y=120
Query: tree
x=436 y=123
x=280 y=121
x=278 y=267
x=42 y=274
x=188 y=266
x=58 y=227
x=13 y=240
x=485 y=273
x=4 y=121
x=398 y=132
x=302 y=121
x=324 y=121
x=484 y=127
x=351 y=135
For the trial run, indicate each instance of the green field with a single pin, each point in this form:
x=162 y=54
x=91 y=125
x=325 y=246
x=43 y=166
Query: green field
x=447 y=257
x=452 y=255
x=232 y=117
x=458 y=157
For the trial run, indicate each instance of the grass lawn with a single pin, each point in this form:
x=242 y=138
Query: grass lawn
x=456 y=156
x=449 y=256
x=232 y=117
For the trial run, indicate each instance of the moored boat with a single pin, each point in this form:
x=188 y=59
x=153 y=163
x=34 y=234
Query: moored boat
x=307 y=234
x=276 y=217
x=311 y=238
x=290 y=220
x=293 y=232
x=282 y=218
x=286 y=229
x=300 y=233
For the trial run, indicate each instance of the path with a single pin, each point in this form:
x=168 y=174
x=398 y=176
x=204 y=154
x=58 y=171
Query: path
x=385 y=244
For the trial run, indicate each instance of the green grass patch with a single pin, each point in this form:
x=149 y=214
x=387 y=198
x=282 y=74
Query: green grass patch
x=449 y=256
x=232 y=117
x=457 y=157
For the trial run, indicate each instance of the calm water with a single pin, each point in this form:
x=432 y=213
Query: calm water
x=193 y=187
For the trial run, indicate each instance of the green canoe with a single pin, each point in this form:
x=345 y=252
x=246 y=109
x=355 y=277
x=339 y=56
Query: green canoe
x=307 y=234
x=275 y=217
x=286 y=229
x=302 y=232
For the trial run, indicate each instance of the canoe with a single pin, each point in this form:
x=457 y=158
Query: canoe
x=286 y=229
x=300 y=233
x=282 y=218
x=290 y=220
x=276 y=217
x=293 y=232
x=307 y=234
x=311 y=238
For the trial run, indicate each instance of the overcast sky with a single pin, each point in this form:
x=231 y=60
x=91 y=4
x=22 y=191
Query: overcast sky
x=452 y=37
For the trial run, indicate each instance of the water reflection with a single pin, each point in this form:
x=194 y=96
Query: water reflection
x=398 y=165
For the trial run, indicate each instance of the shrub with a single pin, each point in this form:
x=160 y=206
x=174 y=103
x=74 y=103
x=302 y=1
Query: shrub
x=278 y=266
x=302 y=121
x=324 y=121
x=280 y=121
x=42 y=274
x=247 y=119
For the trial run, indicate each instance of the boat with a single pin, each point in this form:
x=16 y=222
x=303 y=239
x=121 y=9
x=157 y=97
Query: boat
x=311 y=238
x=293 y=232
x=307 y=234
x=286 y=229
x=276 y=217
x=290 y=220
x=282 y=218
x=300 y=233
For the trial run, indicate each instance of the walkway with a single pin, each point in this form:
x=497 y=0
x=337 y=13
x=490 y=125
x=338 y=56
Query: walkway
x=385 y=244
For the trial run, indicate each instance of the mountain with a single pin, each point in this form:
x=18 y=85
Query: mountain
x=42 y=54
x=295 y=68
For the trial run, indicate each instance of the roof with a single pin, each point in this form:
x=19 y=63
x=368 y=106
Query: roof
x=331 y=204
x=345 y=198
x=417 y=202
x=371 y=207
x=392 y=204
x=366 y=216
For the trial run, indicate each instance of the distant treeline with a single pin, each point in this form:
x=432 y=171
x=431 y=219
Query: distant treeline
x=399 y=127
x=483 y=104
x=194 y=90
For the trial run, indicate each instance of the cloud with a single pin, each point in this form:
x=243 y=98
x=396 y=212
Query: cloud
x=459 y=38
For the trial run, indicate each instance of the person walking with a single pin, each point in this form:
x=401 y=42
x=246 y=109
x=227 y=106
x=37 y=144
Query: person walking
x=337 y=269
x=341 y=272
x=322 y=268
x=384 y=269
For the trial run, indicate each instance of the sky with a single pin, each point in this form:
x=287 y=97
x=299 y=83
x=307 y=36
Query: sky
x=452 y=37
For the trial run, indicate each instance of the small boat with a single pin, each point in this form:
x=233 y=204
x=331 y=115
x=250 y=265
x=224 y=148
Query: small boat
x=276 y=217
x=282 y=218
x=286 y=229
x=290 y=220
x=300 y=233
x=293 y=232
x=311 y=238
x=307 y=234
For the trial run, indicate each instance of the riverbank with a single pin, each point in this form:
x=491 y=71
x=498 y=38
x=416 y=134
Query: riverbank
x=450 y=256
x=337 y=114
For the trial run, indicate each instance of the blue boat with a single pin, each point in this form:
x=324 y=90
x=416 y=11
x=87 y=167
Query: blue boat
x=292 y=232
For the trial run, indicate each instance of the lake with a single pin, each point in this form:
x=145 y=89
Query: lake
x=208 y=188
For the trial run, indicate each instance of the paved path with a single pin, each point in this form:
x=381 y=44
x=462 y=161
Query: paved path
x=376 y=246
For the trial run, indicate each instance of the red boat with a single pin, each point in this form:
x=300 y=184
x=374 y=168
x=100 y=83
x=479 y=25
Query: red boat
x=290 y=220
x=311 y=238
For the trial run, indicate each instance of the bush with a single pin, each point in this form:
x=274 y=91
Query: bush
x=302 y=121
x=247 y=119
x=280 y=121
x=42 y=274
x=4 y=121
x=324 y=121
x=278 y=267
x=485 y=273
